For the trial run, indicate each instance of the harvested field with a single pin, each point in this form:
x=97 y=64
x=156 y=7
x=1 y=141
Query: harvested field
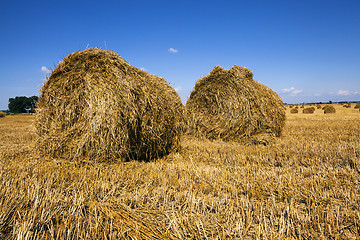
x=304 y=186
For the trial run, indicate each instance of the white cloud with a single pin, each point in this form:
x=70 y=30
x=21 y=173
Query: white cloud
x=45 y=70
x=343 y=92
x=178 y=89
x=143 y=69
x=173 y=50
x=286 y=90
x=292 y=91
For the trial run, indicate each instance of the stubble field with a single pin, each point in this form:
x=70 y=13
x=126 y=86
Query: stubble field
x=305 y=186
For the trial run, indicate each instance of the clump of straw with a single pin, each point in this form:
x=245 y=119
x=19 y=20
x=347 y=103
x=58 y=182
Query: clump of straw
x=309 y=110
x=329 y=109
x=294 y=110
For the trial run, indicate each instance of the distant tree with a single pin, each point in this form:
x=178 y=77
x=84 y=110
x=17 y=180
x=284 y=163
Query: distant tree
x=22 y=104
x=330 y=102
x=32 y=103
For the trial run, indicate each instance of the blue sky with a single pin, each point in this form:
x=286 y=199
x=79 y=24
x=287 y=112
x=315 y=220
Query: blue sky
x=306 y=50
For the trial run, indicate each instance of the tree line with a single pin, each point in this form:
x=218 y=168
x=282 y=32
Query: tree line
x=22 y=104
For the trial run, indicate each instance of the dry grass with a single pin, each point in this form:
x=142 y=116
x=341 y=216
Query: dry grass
x=305 y=186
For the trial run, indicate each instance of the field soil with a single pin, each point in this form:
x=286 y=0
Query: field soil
x=304 y=186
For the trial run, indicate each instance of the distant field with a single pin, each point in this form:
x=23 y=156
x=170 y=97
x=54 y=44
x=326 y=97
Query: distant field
x=305 y=186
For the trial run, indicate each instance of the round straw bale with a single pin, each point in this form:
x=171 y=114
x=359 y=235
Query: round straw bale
x=96 y=105
x=329 y=109
x=357 y=105
x=230 y=105
x=2 y=114
x=309 y=110
x=318 y=106
x=294 y=110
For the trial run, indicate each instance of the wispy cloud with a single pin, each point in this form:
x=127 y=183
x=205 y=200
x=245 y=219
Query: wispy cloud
x=292 y=91
x=173 y=50
x=45 y=70
x=143 y=69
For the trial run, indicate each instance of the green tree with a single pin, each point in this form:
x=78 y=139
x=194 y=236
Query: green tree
x=22 y=104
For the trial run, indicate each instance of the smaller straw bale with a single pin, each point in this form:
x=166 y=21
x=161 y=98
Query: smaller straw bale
x=230 y=105
x=309 y=110
x=318 y=106
x=329 y=109
x=357 y=105
x=294 y=110
x=2 y=114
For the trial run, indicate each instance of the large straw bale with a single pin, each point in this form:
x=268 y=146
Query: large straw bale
x=2 y=114
x=230 y=105
x=96 y=105
x=357 y=105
